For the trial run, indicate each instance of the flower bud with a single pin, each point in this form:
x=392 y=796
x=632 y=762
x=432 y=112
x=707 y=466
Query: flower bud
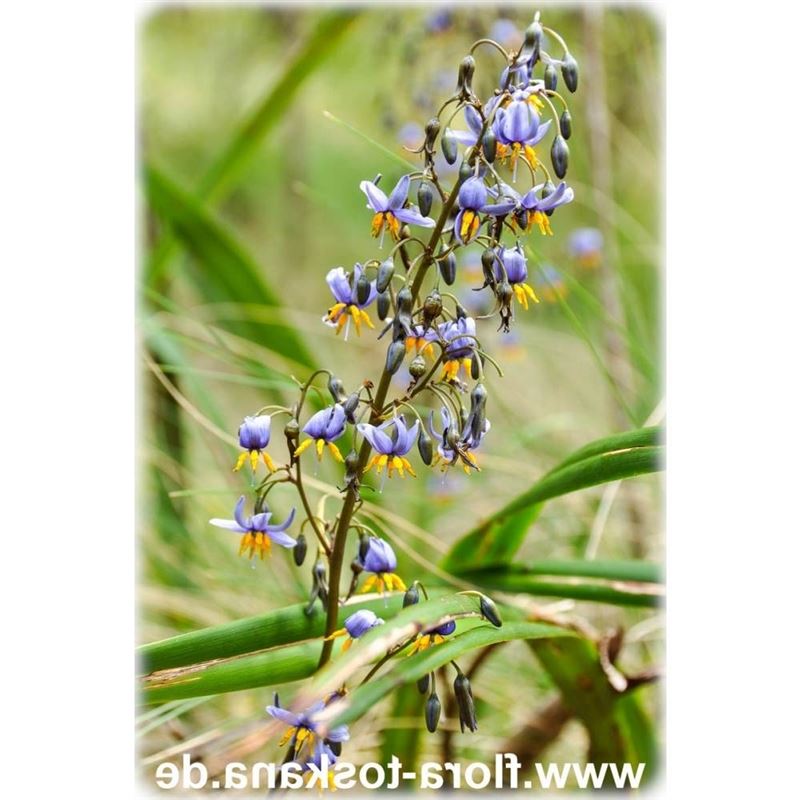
x=350 y=407
x=447 y=268
x=449 y=146
x=451 y=437
x=550 y=78
x=411 y=597
x=432 y=306
x=424 y=198
x=476 y=366
x=489 y=145
x=533 y=41
x=490 y=612
x=565 y=124
x=423 y=683
x=405 y=301
x=417 y=367
x=384 y=304
x=385 y=272
x=425 y=447
x=487 y=263
x=291 y=430
x=300 y=550
x=394 y=356
x=547 y=190
x=431 y=131
x=569 y=69
x=405 y=232
x=362 y=289
x=466 y=69
x=433 y=710
x=336 y=388
x=464 y=171
x=466 y=705
x=559 y=155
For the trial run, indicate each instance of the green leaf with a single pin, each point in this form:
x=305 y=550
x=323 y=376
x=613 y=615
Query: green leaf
x=496 y=540
x=222 y=269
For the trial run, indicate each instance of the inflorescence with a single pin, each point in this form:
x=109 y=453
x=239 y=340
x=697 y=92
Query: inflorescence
x=503 y=192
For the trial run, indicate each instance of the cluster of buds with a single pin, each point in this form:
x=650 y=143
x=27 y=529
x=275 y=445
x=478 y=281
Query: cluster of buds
x=503 y=192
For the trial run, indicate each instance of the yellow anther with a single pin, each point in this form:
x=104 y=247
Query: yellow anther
x=320 y=446
x=335 y=452
x=268 y=462
x=253 y=459
x=240 y=462
x=303 y=446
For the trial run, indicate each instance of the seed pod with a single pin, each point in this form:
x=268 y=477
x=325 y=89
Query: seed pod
x=336 y=388
x=425 y=447
x=489 y=145
x=550 y=78
x=476 y=367
x=417 y=367
x=362 y=289
x=411 y=597
x=385 y=273
x=394 y=356
x=433 y=710
x=447 y=268
x=432 y=306
x=424 y=198
x=488 y=258
x=547 y=190
x=291 y=430
x=559 y=155
x=569 y=69
x=350 y=407
x=466 y=705
x=466 y=69
x=533 y=42
x=504 y=293
x=423 y=683
x=405 y=232
x=405 y=301
x=300 y=550
x=565 y=124
x=490 y=612
x=384 y=304
x=449 y=146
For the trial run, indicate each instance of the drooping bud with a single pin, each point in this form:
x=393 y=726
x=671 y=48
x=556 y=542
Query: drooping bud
x=433 y=710
x=465 y=702
x=362 y=289
x=432 y=306
x=465 y=171
x=565 y=124
x=405 y=231
x=385 y=273
x=447 y=268
x=487 y=263
x=411 y=597
x=424 y=198
x=350 y=407
x=394 y=356
x=533 y=42
x=425 y=447
x=351 y=469
x=489 y=146
x=452 y=436
x=466 y=69
x=449 y=146
x=405 y=301
x=490 y=612
x=521 y=216
x=569 y=69
x=476 y=367
x=356 y=567
x=550 y=78
x=431 y=132
x=559 y=155
x=417 y=367
x=423 y=683
x=384 y=305
x=336 y=388
x=300 y=550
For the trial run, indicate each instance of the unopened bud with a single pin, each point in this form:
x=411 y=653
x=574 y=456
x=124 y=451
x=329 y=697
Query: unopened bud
x=521 y=216
x=292 y=430
x=362 y=289
x=449 y=146
x=432 y=131
x=533 y=41
x=432 y=306
x=385 y=272
x=350 y=407
x=405 y=301
x=411 y=597
x=336 y=388
x=569 y=69
x=447 y=269
x=487 y=263
x=465 y=172
x=300 y=550
x=466 y=69
x=384 y=304
x=465 y=702
x=476 y=366
x=336 y=747
x=490 y=612
x=559 y=155
x=424 y=198
x=433 y=710
x=489 y=146
x=423 y=683
x=550 y=78
x=394 y=356
x=565 y=124
x=425 y=447
x=351 y=461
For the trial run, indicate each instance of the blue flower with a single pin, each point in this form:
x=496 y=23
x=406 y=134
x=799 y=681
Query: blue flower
x=433 y=637
x=516 y=270
x=390 y=450
x=257 y=533
x=517 y=128
x=303 y=728
x=344 y=289
x=356 y=625
x=381 y=561
x=459 y=351
x=535 y=206
x=473 y=198
x=324 y=428
x=389 y=211
x=586 y=246
x=453 y=445
x=254 y=437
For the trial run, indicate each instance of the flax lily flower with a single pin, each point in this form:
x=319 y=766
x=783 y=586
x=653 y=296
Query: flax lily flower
x=324 y=428
x=347 y=305
x=389 y=211
x=453 y=445
x=257 y=533
x=473 y=199
x=381 y=561
x=303 y=727
x=460 y=349
x=390 y=450
x=517 y=128
x=254 y=433
x=433 y=637
x=516 y=271
x=421 y=340
x=536 y=207
x=356 y=625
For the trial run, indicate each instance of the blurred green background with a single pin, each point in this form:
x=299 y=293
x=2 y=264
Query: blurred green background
x=269 y=176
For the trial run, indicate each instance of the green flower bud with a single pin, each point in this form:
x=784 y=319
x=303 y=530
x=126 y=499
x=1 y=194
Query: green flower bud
x=384 y=304
x=300 y=550
x=465 y=171
x=394 y=356
x=489 y=610
x=336 y=388
x=565 y=124
x=433 y=710
x=533 y=41
x=411 y=597
x=449 y=146
x=569 y=69
x=423 y=683
x=489 y=145
x=424 y=198
x=425 y=447
x=559 y=155
x=405 y=301
x=385 y=273
x=431 y=131
x=550 y=78
x=447 y=268
x=417 y=367
x=465 y=702
x=476 y=367
x=350 y=407
x=432 y=306
x=362 y=289
x=291 y=430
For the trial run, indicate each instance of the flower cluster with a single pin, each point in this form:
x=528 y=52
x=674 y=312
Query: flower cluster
x=503 y=192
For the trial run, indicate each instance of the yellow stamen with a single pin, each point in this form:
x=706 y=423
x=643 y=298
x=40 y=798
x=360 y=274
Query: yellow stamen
x=382 y=461
x=240 y=462
x=286 y=736
x=303 y=446
x=335 y=310
x=542 y=220
x=407 y=465
x=268 y=462
x=369 y=583
x=529 y=291
x=469 y=225
x=467 y=364
x=335 y=452
x=365 y=318
x=336 y=634
x=353 y=311
x=320 y=446
x=522 y=298
x=253 y=459
x=394 y=581
x=531 y=156
x=393 y=224
x=377 y=224
x=348 y=643
x=397 y=464
x=341 y=323
x=535 y=101
x=450 y=370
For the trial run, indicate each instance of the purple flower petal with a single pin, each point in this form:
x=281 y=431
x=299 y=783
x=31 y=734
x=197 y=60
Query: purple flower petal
x=284 y=715
x=228 y=524
x=339 y=285
x=399 y=194
x=238 y=513
x=413 y=217
x=379 y=557
x=378 y=439
x=377 y=200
